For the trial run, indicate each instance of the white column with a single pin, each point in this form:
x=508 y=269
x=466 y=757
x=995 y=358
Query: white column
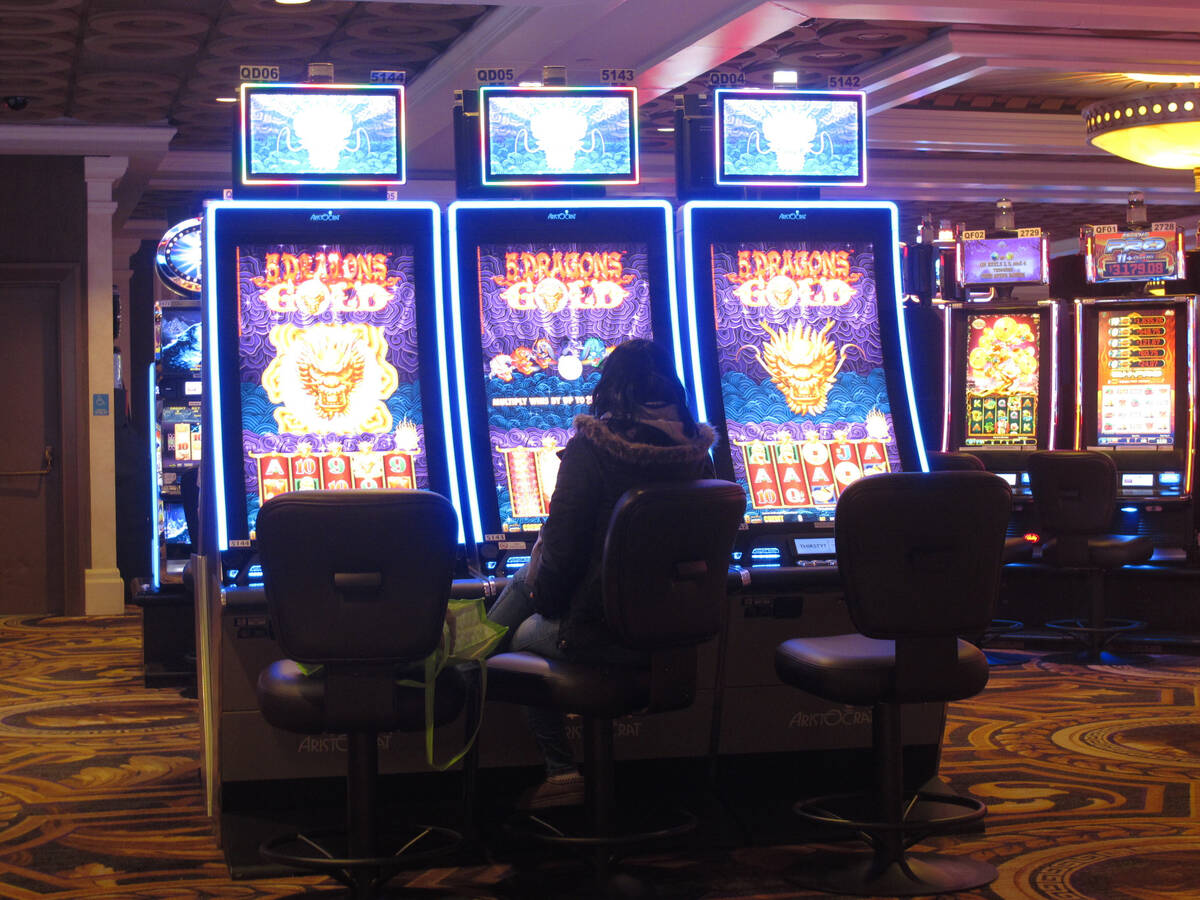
x=104 y=591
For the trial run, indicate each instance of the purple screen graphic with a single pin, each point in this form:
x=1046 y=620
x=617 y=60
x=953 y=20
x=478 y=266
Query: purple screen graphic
x=802 y=379
x=1002 y=260
x=328 y=369
x=549 y=315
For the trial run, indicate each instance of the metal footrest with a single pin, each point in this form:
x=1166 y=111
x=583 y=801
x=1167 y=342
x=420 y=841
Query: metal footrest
x=818 y=810
x=318 y=851
x=540 y=829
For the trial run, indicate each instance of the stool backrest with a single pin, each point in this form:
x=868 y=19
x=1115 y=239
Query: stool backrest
x=357 y=576
x=920 y=553
x=954 y=461
x=666 y=562
x=1074 y=491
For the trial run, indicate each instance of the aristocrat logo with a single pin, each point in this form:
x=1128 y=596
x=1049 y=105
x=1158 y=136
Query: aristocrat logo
x=566 y=215
x=327 y=216
x=793 y=215
x=838 y=717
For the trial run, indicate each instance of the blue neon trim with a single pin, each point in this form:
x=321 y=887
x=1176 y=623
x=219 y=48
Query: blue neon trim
x=690 y=298
x=456 y=301
x=443 y=367
x=1128 y=509
x=461 y=383
x=212 y=371
x=155 y=475
x=902 y=331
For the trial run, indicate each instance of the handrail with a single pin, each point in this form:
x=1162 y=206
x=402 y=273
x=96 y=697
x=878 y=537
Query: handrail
x=47 y=465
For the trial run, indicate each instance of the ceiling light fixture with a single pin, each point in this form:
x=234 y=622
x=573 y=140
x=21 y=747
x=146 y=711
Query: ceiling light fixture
x=291 y=2
x=226 y=99
x=1159 y=129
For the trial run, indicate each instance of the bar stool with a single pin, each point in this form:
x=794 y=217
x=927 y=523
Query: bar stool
x=357 y=584
x=920 y=557
x=1074 y=494
x=663 y=573
x=1016 y=549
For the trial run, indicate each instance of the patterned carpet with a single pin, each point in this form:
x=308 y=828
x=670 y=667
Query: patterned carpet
x=1092 y=776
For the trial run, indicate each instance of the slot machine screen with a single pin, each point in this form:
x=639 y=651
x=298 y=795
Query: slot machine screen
x=799 y=355
x=546 y=135
x=179 y=336
x=1002 y=378
x=175 y=527
x=326 y=370
x=801 y=372
x=1135 y=369
x=541 y=292
x=322 y=134
x=550 y=313
x=782 y=137
x=987 y=262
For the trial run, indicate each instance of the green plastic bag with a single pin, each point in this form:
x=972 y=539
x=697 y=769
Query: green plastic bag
x=468 y=635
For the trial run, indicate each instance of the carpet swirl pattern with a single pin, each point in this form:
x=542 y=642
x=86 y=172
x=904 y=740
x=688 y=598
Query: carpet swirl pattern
x=1091 y=774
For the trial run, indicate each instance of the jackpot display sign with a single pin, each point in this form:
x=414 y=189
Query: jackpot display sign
x=1015 y=260
x=1002 y=379
x=1136 y=377
x=801 y=371
x=549 y=315
x=1120 y=256
x=328 y=369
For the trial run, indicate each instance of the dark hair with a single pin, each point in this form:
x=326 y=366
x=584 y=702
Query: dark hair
x=635 y=373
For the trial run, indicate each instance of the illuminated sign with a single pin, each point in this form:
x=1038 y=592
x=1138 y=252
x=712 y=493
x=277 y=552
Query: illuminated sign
x=548 y=135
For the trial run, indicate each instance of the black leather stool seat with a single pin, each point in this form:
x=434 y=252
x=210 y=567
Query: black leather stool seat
x=606 y=692
x=851 y=668
x=1103 y=551
x=1017 y=549
x=294 y=701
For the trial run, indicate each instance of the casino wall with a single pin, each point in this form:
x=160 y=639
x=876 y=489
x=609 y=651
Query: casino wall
x=44 y=252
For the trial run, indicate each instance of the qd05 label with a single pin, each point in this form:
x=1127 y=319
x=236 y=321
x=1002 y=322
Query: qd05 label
x=494 y=76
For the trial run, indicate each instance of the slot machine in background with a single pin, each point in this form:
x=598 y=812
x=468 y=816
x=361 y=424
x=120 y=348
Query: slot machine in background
x=1135 y=379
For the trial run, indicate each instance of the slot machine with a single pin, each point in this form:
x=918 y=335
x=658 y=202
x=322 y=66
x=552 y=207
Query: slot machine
x=547 y=276
x=1135 y=381
x=175 y=390
x=173 y=404
x=798 y=356
x=542 y=288
x=1001 y=398
x=324 y=368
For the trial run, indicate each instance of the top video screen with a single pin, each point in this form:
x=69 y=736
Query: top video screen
x=773 y=137
x=559 y=135
x=801 y=366
x=1002 y=380
x=1134 y=256
x=1000 y=261
x=322 y=134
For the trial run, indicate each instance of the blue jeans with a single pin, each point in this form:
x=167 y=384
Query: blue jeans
x=533 y=633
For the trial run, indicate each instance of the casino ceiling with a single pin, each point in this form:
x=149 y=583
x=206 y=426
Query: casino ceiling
x=968 y=101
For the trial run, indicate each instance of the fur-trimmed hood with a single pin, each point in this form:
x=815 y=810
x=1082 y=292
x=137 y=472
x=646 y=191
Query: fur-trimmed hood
x=618 y=447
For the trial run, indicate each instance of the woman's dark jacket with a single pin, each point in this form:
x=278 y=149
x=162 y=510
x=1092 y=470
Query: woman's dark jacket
x=601 y=462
